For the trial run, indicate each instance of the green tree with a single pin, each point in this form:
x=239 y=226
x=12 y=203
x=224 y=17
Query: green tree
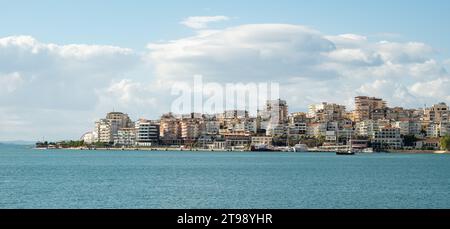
x=445 y=142
x=409 y=140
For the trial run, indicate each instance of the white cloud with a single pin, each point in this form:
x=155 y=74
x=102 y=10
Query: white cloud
x=307 y=63
x=355 y=56
x=128 y=93
x=44 y=84
x=404 y=52
x=437 y=89
x=10 y=82
x=201 y=22
x=249 y=52
x=58 y=76
x=397 y=93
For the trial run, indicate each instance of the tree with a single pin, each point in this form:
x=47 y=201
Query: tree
x=445 y=142
x=409 y=140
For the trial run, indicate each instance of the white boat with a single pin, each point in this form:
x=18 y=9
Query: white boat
x=301 y=148
x=367 y=150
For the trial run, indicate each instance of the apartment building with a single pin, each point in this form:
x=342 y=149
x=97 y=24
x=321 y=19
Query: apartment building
x=365 y=108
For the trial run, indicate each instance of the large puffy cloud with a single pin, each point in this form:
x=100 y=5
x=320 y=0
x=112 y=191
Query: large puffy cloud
x=43 y=85
x=309 y=65
x=58 y=76
x=138 y=98
x=248 y=52
x=28 y=54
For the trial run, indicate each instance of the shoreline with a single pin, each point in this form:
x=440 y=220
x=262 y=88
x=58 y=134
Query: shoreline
x=162 y=149
x=419 y=151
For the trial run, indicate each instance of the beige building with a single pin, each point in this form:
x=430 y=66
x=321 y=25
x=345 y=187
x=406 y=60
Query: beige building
x=437 y=113
x=190 y=129
x=170 y=129
x=366 y=107
x=326 y=112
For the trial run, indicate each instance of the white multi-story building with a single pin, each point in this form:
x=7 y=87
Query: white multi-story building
x=408 y=127
x=125 y=137
x=433 y=130
x=387 y=137
x=147 y=132
x=104 y=130
x=366 y=128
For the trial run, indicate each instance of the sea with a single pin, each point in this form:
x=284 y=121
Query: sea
x=71 y=179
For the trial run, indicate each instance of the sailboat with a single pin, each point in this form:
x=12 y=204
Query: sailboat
x=350 y=151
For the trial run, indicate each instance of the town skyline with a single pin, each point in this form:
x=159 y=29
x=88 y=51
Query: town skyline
x=372 y=124
x=181 y=115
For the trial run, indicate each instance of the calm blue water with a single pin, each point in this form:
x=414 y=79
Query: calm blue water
x=116 y=179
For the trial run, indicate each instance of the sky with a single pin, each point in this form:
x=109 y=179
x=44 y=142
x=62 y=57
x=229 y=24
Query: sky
x=64 y=64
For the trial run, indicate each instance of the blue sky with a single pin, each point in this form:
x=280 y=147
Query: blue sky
x=64 y=64
x=134 y=23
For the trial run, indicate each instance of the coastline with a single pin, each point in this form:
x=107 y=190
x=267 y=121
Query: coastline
x=217 y=150
x=419 y=151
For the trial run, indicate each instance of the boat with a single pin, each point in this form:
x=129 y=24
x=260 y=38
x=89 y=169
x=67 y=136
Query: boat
x=350 y=151
x=347 y=152
x=300 y=148
x=367 y=150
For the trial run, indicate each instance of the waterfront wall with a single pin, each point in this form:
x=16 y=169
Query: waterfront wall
x=420 y=151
